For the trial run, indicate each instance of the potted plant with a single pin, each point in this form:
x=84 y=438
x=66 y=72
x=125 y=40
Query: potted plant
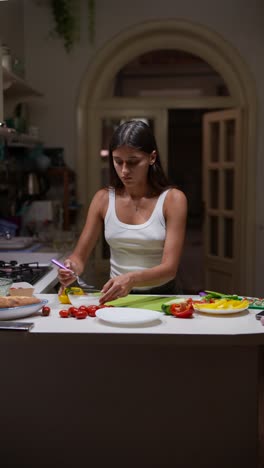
x=66 y=15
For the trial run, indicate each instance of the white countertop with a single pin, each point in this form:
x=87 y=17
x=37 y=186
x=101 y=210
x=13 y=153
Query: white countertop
x=242 y=325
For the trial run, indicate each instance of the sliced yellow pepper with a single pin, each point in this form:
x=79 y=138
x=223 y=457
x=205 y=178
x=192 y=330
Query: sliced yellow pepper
x=224 y=304
x=241 y=304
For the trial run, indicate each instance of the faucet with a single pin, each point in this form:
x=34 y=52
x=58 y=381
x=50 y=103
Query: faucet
x=6 y=235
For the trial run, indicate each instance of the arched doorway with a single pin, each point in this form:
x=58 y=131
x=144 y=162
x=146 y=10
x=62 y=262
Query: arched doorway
x=96 y=100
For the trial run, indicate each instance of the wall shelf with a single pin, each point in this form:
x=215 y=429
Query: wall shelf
x=16 y=87
x=13 y=138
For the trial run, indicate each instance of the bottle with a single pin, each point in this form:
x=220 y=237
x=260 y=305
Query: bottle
x=6 y=57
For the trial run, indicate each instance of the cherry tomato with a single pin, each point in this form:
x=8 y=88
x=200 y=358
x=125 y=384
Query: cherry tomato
x=83 y=307
x=91 y=310
x=45 y=311
x=81 y=314
x=64 y=313
x=73 y=311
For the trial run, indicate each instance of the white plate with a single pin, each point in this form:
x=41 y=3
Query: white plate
x=11 y=313
x=127 y=315
x=220 y=311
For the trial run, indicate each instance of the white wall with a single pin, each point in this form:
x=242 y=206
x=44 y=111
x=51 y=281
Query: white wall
x=58 y=74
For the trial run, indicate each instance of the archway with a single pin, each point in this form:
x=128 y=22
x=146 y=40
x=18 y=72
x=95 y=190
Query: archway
x=96 y=91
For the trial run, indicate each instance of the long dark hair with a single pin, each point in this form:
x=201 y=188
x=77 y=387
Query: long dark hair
x=137 y=135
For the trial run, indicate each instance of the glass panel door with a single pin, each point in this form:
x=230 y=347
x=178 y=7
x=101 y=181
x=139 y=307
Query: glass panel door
x=222 y=162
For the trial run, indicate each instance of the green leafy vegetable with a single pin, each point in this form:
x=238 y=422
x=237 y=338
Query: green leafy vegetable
x=217 y=295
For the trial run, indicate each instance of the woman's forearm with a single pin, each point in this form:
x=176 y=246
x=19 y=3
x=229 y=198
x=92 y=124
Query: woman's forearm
x=152 y=276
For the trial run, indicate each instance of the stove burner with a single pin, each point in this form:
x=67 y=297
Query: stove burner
x=28 y=272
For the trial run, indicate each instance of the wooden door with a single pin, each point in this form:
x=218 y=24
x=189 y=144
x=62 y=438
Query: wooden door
x=222 y=201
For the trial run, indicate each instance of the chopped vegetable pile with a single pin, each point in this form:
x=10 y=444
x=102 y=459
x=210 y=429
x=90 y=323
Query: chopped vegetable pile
x=212 y=296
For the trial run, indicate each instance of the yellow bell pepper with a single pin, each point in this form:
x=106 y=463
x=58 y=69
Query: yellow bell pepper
x=63 y=298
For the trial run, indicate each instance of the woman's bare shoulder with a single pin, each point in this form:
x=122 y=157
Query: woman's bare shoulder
x=175 y=201
x=175 y=196
x=100 y=202
x=101 y=196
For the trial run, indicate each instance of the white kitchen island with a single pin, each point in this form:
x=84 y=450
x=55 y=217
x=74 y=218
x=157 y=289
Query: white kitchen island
x=172 y=393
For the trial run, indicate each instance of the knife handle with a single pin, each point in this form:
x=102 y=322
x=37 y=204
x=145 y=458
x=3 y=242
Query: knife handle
x=56 y=262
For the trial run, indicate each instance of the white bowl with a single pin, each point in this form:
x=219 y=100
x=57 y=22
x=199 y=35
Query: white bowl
x=87 y=299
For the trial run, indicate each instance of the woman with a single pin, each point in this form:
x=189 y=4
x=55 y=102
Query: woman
x=144 y=219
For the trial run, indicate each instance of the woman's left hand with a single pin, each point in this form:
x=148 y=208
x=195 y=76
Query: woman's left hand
x=120 y=286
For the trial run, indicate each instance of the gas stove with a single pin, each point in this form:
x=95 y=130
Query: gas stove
x=30 y=272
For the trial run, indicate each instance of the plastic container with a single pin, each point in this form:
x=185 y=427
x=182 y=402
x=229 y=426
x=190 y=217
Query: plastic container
x=7 y=226
x=88 y=299
x=5 y=285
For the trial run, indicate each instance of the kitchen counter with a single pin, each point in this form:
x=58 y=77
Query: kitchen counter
x=234 y=329
x=172 y=393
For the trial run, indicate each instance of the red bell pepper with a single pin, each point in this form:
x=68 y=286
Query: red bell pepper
x=183 y=309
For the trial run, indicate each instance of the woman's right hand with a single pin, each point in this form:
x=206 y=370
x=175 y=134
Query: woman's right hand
x=67 y=277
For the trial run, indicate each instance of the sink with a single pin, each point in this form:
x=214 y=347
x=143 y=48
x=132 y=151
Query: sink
x=16 y=243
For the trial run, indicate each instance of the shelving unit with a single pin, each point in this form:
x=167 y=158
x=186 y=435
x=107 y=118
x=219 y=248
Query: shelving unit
x=13 y=88
x=13 y=138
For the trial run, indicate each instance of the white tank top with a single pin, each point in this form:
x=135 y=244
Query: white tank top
x=135 y=246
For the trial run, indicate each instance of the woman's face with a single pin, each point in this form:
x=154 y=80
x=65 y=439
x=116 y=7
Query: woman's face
x=132 y=165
